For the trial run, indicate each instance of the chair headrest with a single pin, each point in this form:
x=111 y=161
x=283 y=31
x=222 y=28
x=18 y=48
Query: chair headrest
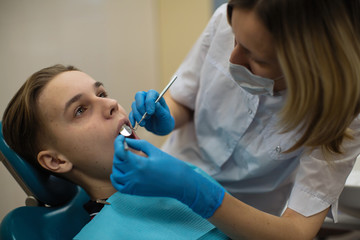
x=43 y=223
x=45 y=187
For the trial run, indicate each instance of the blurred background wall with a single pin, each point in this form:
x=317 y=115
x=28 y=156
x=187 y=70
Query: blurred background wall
x=128 y=45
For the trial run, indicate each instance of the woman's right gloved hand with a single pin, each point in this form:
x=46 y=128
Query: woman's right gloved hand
x=158 y=120
x=159 y=174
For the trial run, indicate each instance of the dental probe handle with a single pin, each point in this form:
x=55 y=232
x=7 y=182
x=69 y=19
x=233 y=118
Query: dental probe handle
x=157 y=100
x=166 y=88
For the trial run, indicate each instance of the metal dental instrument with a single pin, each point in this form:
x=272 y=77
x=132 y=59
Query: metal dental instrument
x=126 y=131
x=158 y=99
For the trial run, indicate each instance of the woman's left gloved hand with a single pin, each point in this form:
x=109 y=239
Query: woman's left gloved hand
x=162 y=175
x=158 y=120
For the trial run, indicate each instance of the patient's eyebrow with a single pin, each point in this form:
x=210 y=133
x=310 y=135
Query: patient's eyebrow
x=78 y=96
x=72 y=100
x=98 y=84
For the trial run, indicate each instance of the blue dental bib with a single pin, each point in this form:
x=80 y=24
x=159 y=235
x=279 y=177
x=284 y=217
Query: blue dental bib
x=136 y=217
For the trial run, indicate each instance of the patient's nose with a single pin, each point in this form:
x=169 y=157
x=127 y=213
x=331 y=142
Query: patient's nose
x=111 y=107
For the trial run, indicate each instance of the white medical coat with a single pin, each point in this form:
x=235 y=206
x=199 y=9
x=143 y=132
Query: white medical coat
x=235 y=137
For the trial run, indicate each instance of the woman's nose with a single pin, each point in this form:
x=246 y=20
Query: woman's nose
x=110 y=107
x=239 y=56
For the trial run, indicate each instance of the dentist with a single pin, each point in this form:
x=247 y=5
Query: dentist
x=267 y=102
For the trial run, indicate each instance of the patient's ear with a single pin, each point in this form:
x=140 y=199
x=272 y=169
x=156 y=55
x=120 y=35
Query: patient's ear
x=54 y=162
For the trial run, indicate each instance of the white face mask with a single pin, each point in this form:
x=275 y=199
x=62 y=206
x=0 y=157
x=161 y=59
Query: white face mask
x=251 y=83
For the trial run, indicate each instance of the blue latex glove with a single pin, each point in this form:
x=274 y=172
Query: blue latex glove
x=158 y=119
x=162 y=175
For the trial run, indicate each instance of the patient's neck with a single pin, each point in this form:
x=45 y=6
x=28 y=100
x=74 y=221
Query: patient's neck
x=100 y=192
x=98 y=189
x=95 y=188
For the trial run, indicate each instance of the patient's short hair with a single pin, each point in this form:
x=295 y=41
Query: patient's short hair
x=21 y=123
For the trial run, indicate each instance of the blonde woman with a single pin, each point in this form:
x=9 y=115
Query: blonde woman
x=267 y=102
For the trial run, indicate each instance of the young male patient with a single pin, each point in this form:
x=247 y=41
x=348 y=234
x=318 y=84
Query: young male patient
x=63 y=121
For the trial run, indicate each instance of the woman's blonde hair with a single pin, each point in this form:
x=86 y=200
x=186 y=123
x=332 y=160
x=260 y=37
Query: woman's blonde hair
x=318 y=49
x=21 y=124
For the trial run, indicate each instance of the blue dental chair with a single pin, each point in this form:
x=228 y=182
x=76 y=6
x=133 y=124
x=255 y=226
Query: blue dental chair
x=54 y=206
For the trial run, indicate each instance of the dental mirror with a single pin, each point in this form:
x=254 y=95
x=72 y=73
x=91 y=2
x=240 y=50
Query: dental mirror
x=126 y=131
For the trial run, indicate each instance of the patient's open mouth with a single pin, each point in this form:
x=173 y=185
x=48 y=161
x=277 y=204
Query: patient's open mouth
x=128 y=132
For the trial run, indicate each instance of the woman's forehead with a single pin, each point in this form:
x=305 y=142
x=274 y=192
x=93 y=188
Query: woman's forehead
x=252 y=34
